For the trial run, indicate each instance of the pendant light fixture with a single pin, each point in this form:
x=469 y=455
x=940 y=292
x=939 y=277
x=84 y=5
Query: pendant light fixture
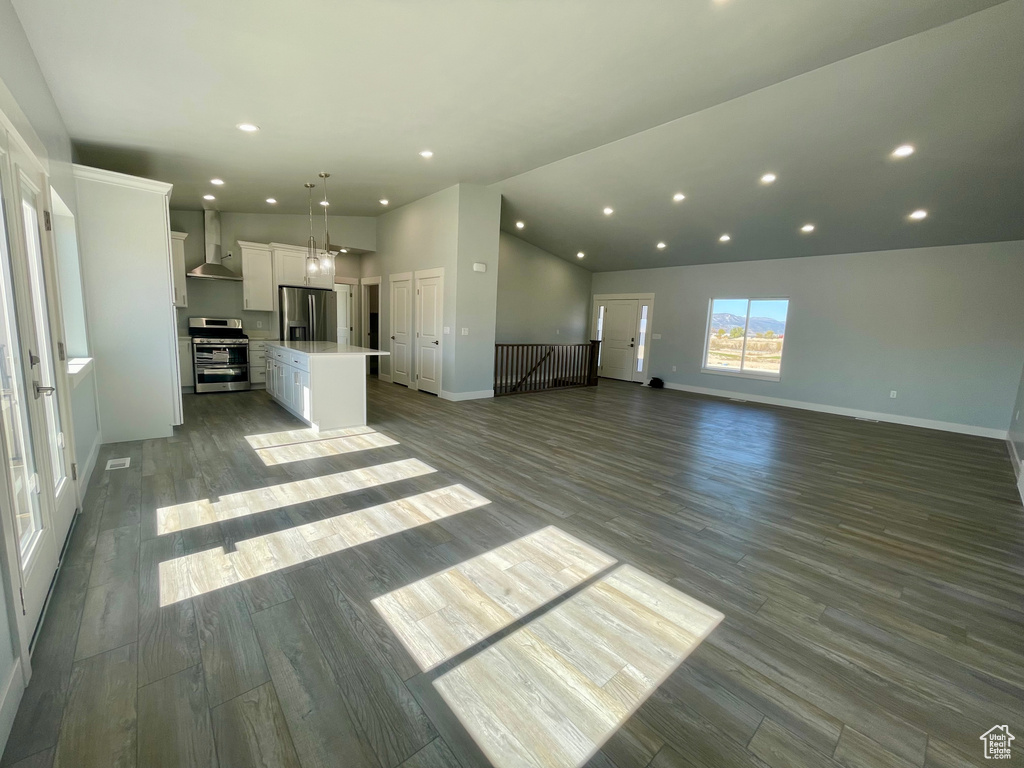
x=327 y=267
x=312 y=260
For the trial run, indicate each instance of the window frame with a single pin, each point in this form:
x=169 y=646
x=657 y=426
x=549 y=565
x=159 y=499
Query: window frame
x=741 y=373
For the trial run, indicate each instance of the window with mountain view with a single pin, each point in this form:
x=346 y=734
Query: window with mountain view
x=746 y=336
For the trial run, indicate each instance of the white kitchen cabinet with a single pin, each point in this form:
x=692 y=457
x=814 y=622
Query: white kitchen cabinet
x=185 y=364
x=321 y=382
x=289 y=264
x=258 y=287
x=124 y=234
x=290 y=268
x=178 y=268
x=257 y=362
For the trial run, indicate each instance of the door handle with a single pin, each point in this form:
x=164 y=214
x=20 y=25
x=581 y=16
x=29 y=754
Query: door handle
x=436 y=342
x=392 y=338
x=42 y=390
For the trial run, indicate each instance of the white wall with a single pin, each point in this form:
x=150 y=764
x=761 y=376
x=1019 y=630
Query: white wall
x=477 y=292
x=421 y=235
x=542 y=299
x=451 y=229
x=942 y=326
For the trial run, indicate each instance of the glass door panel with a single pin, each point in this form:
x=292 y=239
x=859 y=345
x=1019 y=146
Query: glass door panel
x=46 y=372
x=17 y=432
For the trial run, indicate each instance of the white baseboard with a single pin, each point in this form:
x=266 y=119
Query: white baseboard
x=1018 y=463
x=85 y=473
x=910 y=421
x=385 y=377
x=481 y=394
x=10 y=698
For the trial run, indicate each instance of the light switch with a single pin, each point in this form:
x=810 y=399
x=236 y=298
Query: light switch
x=465 y=331
x=447 y=330
x=656 y=335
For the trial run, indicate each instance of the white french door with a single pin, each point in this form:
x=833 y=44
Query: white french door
x=429 y=319
x=36 y=453
x=401 y=327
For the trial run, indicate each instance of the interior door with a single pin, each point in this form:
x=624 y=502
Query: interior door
x=344 y=294
x=401 y=328
x=429 y=314
x=618 y=339
x=30 y=445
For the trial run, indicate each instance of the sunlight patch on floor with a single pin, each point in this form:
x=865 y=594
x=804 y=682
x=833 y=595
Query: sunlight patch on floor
x=443 y=614
x=180 y=517
x=317 y=449
x=550 y=694
x=202 y=572
x=305 y=435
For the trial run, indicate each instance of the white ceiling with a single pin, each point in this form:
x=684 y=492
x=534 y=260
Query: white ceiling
x=567 y=106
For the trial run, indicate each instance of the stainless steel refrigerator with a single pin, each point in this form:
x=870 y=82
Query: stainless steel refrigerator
x=308 y=314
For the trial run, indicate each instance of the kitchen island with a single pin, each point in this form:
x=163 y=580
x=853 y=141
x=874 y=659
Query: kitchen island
x=321 y=382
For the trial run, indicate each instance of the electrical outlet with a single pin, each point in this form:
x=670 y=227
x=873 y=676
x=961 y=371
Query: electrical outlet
x=892 y=394
x=465 y=331
x=259 y=323
x=673 y=369
x=447 y=330
x=558 y=331
x=656 y=336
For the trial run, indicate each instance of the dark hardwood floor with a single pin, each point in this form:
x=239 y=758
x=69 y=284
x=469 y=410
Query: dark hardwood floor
x=871 y=577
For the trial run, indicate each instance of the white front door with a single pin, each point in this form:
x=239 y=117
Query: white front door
x=344 y=294
x=401 y=328
x=618 y=339
x=429 y=317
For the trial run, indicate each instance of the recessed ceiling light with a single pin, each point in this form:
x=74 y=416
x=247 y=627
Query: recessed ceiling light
x=272 y=201
x=661 y=246
x=324 y=203
x=903 y=150
x=580 y=255
x=919 y=214
x=384 y=201
x=520 y=224
x=807 y=228
x=427 y=154
x=724 y=239
x=209 y=197
x=248 y=127
x=679 y=197
x=609 y=211
x=217 y=182
x=768 y=178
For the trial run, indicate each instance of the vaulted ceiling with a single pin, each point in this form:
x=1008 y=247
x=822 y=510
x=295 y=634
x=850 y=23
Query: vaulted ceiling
x=568 y=107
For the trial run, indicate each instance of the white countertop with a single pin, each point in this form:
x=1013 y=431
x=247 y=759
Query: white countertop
x=325 y=348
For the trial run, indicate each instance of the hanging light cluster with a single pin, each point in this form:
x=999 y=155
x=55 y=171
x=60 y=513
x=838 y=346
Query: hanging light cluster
x=320 y=261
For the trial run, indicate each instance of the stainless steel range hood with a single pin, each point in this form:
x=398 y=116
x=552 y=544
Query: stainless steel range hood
x=211 y=268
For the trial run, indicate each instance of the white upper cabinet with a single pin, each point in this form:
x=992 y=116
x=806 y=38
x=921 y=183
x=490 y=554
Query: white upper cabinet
x=258 y=286
x=289 y=264
x=178 y=268
x=290 y=267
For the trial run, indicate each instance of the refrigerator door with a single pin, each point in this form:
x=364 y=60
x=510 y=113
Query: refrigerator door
x=295 y=319
x=323 y=313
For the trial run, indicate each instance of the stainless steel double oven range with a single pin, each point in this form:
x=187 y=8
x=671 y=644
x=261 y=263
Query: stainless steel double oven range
x=220 y=354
